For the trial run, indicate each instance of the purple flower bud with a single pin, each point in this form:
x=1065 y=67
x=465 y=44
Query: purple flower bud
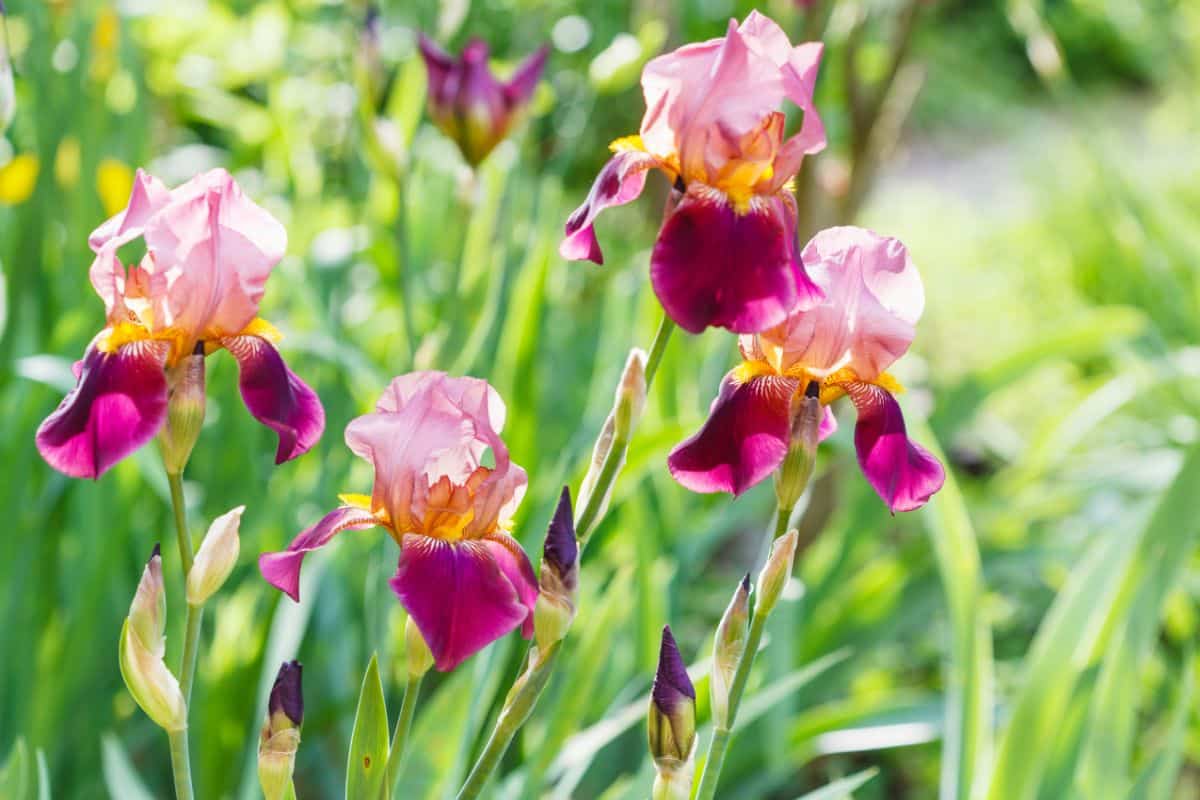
x=468 y=103
x=561 y=551
x=280 y=737
x=672 y=719
x=286 y=694
x=558 y=583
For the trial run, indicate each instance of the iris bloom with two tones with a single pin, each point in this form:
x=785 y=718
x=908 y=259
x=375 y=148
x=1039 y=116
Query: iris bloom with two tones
x=842 y=347
x=469 y=104
x=726 y=254
x=464 y=581
x=208 y=253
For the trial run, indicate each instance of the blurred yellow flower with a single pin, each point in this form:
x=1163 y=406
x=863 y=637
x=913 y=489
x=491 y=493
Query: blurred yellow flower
x=66 y=162
x=17 y=179
x=114 y=182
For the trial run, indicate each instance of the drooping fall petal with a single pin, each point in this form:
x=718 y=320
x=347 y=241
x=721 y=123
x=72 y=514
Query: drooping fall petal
x=118 y=404
x=276 y=396
x=620 y=181
x=743 y=440
x=282 y=569
x=458 y=595
x=904 y=474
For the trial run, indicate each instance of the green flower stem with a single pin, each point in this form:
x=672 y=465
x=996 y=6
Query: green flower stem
x=180 y=763
x=408 y=707
x=589 y=516
x=527 y=689
x=516 y=711
x=719 y=743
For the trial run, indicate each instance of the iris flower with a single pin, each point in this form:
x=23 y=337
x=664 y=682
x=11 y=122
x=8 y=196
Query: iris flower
x=208 y=253
x=469 y=104
x=726 y=254
x=464 y=581
x=842 y=347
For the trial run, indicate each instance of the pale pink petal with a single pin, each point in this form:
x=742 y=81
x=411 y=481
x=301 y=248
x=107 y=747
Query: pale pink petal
x=873 y=299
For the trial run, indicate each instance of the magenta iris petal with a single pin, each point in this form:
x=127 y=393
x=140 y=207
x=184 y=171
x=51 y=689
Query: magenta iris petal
x=458 y=596
x=620 y=181
x=118 y=405
x=276 y=397
x=743 y=440
x=714 y=266
x=282 y=569
x=828 y=426
x=524 y=82
x=904 y=474
x=516 y=567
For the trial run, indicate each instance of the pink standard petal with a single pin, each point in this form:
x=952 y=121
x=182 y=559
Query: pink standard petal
x=903 y=473
x=276 y=397
x=620 y=181
x=714 y=267
x=458 y=596
x=118 y=405
x=282 y=569
x=744 y=439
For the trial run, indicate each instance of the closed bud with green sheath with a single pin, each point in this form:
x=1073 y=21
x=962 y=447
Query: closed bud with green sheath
x=775 y=572
x=671 y=723
x=185 y=411
x=142 y=647
x=280 y=736
x=794 y=473
x=729 y=646
x=216 y=557
x=628 y=405
x=558 y=583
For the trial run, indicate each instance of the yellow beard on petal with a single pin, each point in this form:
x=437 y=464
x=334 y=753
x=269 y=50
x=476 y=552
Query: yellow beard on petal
x=833 y=387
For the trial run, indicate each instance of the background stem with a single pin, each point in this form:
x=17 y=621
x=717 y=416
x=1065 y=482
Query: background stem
x=180 y=763
x=408 y=708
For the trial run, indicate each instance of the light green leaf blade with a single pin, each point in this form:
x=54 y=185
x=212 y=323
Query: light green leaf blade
x=16 y=774
x=120 y=778
x=367 y=763
x=843 y=788
x=1157 y=779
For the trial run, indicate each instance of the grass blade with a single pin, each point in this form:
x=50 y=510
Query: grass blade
x=367 y=763
x=843 y=788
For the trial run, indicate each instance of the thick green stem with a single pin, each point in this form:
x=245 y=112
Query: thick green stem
x=408 y=707
x=181 y=767
x=589 y=516
x=516 y=711
x=529 y=686
x=180 y=763
x=719 y=743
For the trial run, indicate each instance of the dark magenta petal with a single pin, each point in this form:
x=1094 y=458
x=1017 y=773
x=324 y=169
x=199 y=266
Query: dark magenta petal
x=672 y=686
x=276 y=397
x=620 y=181
x=561 y=549
x=458 y=596
x=118 y=405
x=744 y=439
x=904 y=474
x=439 y=67
x=282 y=569
x=712 y=266
x=524 y=81
x=516 y=567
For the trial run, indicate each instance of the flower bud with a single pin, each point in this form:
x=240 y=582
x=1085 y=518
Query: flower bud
x=215 y=560
x=628 y=405
x=185 y=411
x=672 y=719
x=143 y=645
x=775 y=572
x=558 y=583
x=280 y=736
x=794 y=473
x=416 y=650
x=8 y=91
x=728 y=648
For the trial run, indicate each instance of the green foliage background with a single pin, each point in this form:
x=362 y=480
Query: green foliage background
x=1029 y=635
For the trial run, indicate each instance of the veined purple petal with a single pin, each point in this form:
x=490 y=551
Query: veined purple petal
x=712 y=266
x=457 y=594
x=514 y=563
x=282 y=569
x=620 y=181
x=118 y=405
x=744 y=439
x=904 y=474
x=276 y=397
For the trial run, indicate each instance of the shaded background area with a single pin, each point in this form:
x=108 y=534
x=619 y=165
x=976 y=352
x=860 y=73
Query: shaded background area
x=1039 y=159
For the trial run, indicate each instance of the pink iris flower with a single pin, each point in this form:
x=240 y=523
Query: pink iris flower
x=842 y=347
x=462 y=578
x=208 y=253
x=726 y=254
x=469 y=104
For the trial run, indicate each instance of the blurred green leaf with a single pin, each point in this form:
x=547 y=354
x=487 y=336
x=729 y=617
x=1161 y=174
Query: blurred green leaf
x=843 y=788
x=120 y=778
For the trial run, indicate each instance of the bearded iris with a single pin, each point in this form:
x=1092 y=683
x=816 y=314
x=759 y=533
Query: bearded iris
x=726 y=254
x=208 y=253
x=842 y=347
x=464 y=581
